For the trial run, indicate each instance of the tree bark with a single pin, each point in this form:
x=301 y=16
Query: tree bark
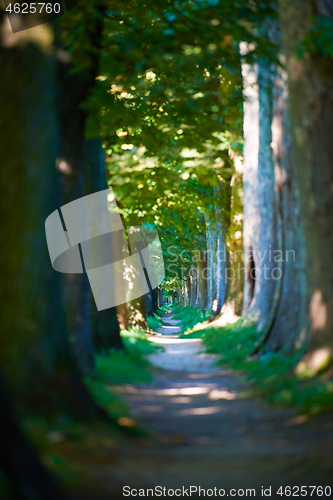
x=289 y=317
x=262 y=283
x=311 y=104
x=35 y=352
x=202 y=280
x=212 y=278
x=84 y=175
x=193 y=279
x=233 y=255
x=222 y=209
x=250 y=186
x=268 y=279
x=137 y=314
x=187 y=289
x=19 y=462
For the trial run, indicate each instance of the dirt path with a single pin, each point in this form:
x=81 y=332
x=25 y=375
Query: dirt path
x=206 y=432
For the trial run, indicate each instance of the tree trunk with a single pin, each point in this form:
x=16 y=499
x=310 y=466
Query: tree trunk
x=262 y=281
x=35 y=353
x=202 y=278
x=250 y=186
x=222 y=195
x=268 y=272
x=19 y=462
x=148 y=303
x=234 y=257
x=137 y=314
x=289 y=318
x=85 y=174
x=211 y=237
x=311 y=105
x=160 y=298
x=187 y=289
x=73 y=91
x=193 y=276
x=122 y=317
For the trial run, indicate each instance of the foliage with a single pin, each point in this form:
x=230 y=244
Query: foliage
x=154 y=322
x=122 y=367
x=167 y=70
x=131 y=366
x=168 y=102
x=189 y=316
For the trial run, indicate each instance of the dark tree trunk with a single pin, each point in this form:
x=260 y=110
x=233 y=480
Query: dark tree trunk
x=74 y=90
x=212 y=278
x=148 y=302
x=155 y=299
x=174 y=297
x=85 y=174
x=35 y=352
x=106 y=333
x=18 y=461
x=160 y=297
x=311 y=106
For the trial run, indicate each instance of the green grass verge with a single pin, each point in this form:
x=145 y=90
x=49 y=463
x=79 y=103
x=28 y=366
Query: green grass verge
x=122 y=367
x=154 y=322
x=190 y=317
x=271 y=375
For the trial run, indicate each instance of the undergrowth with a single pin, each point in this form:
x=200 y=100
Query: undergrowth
x=154 y=322
x=190 y=316
x=122 y=367
x=271 y=375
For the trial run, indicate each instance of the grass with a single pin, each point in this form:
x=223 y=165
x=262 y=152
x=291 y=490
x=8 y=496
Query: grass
x=190 y=317
x=122 y=367
x=271 y=375
x=154 y=322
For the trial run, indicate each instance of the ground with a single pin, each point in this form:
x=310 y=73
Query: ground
x=205 y=430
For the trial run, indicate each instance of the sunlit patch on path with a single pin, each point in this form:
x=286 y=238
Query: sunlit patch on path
x=182 y=354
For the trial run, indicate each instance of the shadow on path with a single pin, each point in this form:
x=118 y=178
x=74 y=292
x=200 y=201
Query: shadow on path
x=207 y=432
